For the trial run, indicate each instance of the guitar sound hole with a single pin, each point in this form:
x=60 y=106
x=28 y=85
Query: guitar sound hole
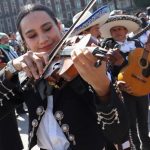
x=143 y=62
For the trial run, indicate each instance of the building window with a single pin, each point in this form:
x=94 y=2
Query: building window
x=15 y=20
x=125 y=4
x=37 y=1
x=78 y=5
x=58 y=9
x=1 y=13
x=87 y=1
x=13 y=6
x=9 y=24
x=29 y=2
x=5 y=6
x=68 y=5
x=69 y=16
x=1 y=25
x=99 y=1
x=21 y=3
x=48 y=3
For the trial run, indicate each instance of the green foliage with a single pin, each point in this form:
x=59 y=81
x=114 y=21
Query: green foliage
x=142 y=3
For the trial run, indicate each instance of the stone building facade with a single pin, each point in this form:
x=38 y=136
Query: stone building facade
x=64 y=9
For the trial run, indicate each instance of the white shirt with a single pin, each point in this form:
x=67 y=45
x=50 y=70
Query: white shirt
x=49 y=134
x=144 y=37
x=126 y=46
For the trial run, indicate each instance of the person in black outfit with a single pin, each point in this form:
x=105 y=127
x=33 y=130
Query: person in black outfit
x=9 y=134
x=115 y=30
x=143 y=18
x=77 y=115
x=90 y=24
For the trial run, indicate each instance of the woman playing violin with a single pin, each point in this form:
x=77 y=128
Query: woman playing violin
x=77 y=116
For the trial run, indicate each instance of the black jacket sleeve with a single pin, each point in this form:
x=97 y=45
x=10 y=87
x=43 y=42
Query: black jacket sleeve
x=112 y=117
x=10 y=93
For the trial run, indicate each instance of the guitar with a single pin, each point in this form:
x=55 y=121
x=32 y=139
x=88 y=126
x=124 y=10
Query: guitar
x=137 y=73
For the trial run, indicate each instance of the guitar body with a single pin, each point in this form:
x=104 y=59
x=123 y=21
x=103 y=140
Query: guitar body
x=137 y=73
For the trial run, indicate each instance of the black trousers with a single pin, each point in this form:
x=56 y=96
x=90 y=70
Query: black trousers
x=45 y=149
x=138 y=117
x=9 y=134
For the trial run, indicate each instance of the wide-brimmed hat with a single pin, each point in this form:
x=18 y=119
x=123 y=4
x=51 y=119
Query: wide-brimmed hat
x=90 y=19
x=84 y=17
x=3 y=35
x=116 y=12
x=131 y=23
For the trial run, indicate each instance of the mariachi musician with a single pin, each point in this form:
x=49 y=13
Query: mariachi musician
x=115 y=30
x=9 y=139
x=78 y=115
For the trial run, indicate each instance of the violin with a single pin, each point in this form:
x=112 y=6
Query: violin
x=63 y=67
x=55 y=51
x=60 y=65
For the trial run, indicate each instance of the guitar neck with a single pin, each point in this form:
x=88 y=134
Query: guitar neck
x=140 y=33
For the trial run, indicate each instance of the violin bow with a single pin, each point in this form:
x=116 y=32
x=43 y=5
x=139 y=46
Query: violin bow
x=65 y=37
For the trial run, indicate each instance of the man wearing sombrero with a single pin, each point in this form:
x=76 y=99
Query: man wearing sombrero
x=115 y=30
x=90 y=22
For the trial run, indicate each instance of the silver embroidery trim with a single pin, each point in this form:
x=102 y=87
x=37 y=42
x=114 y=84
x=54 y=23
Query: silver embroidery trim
x=5 y=94
x=108 y=118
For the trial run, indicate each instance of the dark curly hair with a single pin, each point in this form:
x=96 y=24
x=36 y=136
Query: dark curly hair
x=31 y=8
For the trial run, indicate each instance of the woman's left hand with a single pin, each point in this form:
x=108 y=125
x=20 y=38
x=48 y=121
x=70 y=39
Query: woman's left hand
x=124 y=87
x=84 y=62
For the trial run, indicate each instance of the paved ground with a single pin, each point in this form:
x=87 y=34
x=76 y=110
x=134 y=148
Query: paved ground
x=23 y=128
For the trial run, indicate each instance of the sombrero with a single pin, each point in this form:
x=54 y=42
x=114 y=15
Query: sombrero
x=116 y=12
x=131 y=23
x=3 y=35
x=84 y=17
x=89 y=19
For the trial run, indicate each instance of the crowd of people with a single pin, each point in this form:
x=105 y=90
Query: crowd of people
x=88 y=108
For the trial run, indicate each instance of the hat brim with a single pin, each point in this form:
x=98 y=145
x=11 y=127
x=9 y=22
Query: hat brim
x=131 y=25
x=98 y=17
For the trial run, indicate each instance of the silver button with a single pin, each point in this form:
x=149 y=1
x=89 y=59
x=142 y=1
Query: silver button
x=31 y=134
x=65 y=128
x=71 y=137
x=59 y=115
x=40 y=110
x=35 y=123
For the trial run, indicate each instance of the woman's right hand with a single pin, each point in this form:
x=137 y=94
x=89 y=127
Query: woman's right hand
x=32 y=63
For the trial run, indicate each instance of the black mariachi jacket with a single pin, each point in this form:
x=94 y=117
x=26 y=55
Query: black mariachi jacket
x=90 y=121
x=110 y=43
